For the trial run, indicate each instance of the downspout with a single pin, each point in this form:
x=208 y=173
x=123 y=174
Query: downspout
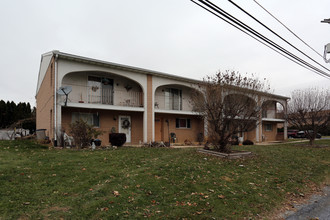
x=55 y=101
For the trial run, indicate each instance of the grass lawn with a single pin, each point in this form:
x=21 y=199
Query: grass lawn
x=152 y=182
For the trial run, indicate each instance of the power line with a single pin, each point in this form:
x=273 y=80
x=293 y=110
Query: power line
x=277 y=51
x=231 y=19
x=248 y=28
x=288 y=28
x=276 y=34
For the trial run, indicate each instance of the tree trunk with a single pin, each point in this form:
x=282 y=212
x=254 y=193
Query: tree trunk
x=223 y=147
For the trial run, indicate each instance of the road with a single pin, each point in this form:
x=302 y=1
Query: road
x=318 y=207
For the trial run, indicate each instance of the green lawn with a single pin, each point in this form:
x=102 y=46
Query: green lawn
x=152 y=182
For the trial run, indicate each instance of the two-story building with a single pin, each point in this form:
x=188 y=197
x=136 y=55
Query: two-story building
x=146 y=105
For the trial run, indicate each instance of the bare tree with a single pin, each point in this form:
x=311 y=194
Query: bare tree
x=309 y=111
x=229 y=103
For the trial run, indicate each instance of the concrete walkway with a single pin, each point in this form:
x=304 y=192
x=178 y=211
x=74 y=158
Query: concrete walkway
x=281 y=142
x=188 y=146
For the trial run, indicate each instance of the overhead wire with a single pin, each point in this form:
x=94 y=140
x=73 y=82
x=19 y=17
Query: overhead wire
x=287 y=28
x=237 y=21
x=236 y=5
x=245 y=32
x=231 y=19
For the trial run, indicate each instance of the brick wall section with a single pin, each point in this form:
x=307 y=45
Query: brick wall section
x=45 y=102
x=108 y=119
x=149 y=108
x=251 y=135
x=182 y=134
x=269 y=135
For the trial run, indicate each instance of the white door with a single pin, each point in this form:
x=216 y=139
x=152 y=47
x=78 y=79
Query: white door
x=125 y=126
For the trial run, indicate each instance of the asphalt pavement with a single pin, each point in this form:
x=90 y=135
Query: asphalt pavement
x=318 y=207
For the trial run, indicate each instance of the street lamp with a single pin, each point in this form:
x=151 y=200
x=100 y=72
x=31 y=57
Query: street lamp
x=326 y=21
x=326 y=51
x=326 y=47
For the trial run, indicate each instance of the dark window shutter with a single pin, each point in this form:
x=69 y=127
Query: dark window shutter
x=188 y=123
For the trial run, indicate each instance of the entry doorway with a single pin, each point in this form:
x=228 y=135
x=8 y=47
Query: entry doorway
x=159 y=133
x=125 y=126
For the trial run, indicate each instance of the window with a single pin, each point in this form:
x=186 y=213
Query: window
x=268 y=127
x=91 y=118
x=182 y=123
x=173 y=99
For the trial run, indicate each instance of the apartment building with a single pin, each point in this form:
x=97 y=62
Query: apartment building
x=146 y=105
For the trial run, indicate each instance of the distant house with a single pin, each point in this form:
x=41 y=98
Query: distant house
x=146 y=105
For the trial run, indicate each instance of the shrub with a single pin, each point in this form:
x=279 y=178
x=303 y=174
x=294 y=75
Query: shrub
x=83 y=133
x=187 y=142
x=248 y=142
x=117 y=139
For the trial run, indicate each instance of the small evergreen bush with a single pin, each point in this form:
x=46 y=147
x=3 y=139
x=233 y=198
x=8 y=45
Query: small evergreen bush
x=117 y=139
x=248 y=142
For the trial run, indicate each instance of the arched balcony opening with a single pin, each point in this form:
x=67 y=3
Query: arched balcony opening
x=103 y=88
x=239 y=105
x=173 y=97
x=272 y=109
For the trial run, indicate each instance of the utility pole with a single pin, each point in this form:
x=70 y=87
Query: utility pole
x=326 y=47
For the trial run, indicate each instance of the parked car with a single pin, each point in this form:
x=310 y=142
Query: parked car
x=303 y=134
x=292 y=133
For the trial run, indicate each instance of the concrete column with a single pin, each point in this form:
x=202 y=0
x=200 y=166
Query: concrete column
x=257 y=133
x=285 y=130
x=145 y=124
x=261 y=133
x=206 y=127
x=286 y=120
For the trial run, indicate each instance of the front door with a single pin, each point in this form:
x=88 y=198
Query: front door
x=158 y=129
x=125 y=126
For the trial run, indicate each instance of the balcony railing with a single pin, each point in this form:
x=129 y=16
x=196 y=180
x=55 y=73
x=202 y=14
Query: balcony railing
x=163 y=102
x=280 y=115
x=106 y=96
x=274 y=115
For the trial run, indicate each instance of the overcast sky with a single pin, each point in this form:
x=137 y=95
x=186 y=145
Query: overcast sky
x=171 y=36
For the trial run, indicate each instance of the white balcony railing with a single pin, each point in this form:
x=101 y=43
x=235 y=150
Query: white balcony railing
x=163 y=102
x=106 y=96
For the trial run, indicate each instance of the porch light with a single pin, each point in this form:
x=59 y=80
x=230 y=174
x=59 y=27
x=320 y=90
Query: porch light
x=128 y=87
x=105 y=81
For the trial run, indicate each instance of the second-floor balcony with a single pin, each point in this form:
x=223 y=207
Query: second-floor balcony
x=105 y=96
x=172 y=99
x=272 y=114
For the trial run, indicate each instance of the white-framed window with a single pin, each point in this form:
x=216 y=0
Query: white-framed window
x=182 y=123
x=268 y=127
x=90 y=118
